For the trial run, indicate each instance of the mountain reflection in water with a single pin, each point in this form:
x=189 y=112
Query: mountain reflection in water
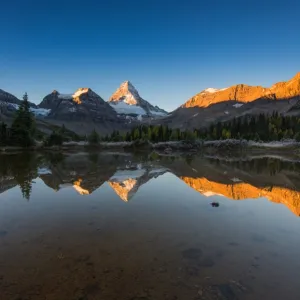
x=124 y=226
x=272 y=178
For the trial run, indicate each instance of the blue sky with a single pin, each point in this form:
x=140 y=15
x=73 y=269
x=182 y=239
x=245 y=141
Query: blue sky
x=170 y=50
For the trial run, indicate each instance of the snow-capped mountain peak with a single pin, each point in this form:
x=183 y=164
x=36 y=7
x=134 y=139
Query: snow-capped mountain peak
x=126 y=93
x=127 y=101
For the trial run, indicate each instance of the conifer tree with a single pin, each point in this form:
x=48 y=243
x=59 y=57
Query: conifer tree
x=23 y=127
x=94 y=138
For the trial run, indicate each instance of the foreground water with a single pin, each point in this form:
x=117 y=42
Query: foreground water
x=143 y=227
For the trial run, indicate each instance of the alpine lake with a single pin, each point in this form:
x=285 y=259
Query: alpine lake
x=145 y=226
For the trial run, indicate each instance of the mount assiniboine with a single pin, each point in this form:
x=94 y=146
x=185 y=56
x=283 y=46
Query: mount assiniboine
x=84 y=110
x=126 y=100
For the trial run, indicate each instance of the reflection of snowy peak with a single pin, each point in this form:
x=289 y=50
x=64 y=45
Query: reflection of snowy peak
x=127 y=182
x=126 y=100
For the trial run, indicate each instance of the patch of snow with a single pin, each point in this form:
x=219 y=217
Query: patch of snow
x=157 y=171
x=237 y=105
x=195 y=115
x=226 y=112
x=40 y=111
x=210 y=193
x=122 y=175
x=115 y=144
x=16 y=106
x=235 y=179
x=124 y=108
x=274 y=144
x=140 y=117
x=72 y=109
x=211 y=90
x=35 y=111
x=73 y=143
x=65 y=185
x=223 y=89
x=158 y=113
x=43 y=171
x=9 y=105
x=65 y=96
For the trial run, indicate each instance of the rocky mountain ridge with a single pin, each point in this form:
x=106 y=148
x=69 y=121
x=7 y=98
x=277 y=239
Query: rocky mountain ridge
x=221 y=105
x=84 y=110
x=82 y=105
x=245 y=93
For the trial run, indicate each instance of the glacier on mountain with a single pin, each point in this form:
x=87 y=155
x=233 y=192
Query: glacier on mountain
x=36 y=111
x=124 y=108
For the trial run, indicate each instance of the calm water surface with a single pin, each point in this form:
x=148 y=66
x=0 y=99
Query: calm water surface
x=142 y=227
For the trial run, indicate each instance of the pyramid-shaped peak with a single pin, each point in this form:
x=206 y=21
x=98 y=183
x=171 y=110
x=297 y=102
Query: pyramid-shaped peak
x=127 y=82
x=128 y=86
x=127 y=93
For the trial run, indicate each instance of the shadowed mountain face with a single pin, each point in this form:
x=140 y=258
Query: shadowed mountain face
x=83 y=104
x=81 y=111
x=237 y=179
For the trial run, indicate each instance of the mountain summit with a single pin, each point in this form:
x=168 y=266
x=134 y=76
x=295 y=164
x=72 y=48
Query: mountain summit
x=246 y=93
x=84 y=103
x=127 y=101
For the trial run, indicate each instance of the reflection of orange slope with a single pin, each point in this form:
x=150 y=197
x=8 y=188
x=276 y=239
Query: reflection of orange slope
x=124 y=189
x=79 y=189
x=240 y=191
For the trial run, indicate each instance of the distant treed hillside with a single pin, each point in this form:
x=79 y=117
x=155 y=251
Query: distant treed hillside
x=259 y=128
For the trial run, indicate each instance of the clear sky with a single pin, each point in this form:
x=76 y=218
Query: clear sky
x=170 y=50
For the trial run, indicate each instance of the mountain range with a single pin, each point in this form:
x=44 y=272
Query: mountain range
x=84 y=110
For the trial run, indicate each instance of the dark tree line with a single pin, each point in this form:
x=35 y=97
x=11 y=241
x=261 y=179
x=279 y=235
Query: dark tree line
x=263 y=127
x=151 y=133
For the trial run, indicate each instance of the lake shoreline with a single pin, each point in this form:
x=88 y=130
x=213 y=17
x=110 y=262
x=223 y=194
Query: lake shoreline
x=168 y=147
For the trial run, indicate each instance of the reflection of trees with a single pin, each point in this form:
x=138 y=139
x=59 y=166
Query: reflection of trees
x=94 y=158
x=25 y=170
x=23 y=167
x=54 y=158
x=189 y=159
x=4 y=166
x=271 y=166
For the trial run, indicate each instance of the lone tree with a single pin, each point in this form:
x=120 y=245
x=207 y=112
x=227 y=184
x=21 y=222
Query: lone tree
x=23 y=127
